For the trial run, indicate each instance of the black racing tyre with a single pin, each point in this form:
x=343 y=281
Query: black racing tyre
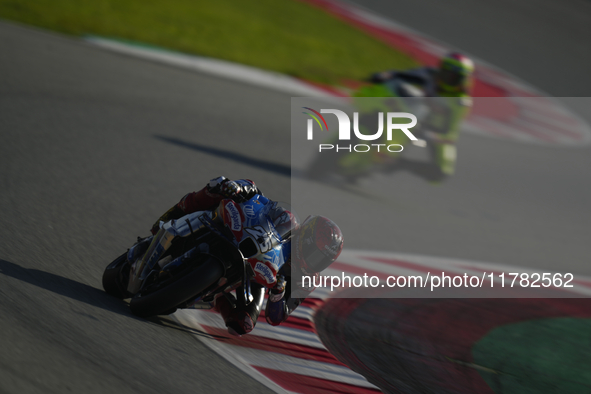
x=114 y=275
x=166 y=299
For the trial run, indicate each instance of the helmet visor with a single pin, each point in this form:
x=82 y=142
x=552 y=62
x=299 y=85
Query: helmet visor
x=451 y=77
x=314 y=258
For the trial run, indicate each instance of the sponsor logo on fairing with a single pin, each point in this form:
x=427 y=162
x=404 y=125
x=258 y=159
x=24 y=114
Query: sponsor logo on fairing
x=265 y=272
x=261 y=238
x=234 y=216
x=249 y=211
x=272 y=258
x=345 y=130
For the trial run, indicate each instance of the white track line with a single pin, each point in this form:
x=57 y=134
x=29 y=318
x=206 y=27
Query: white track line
x=220 y=68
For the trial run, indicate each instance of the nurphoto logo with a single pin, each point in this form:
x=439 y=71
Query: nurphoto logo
x=345 y=129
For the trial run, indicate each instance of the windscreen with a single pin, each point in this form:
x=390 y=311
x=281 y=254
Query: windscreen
x=284 y=219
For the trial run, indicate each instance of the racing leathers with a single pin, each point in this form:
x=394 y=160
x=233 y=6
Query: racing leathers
x=209 y=197
x=281 y=301
x=287 y=294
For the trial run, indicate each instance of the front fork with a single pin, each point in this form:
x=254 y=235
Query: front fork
x=182 y=227
x=139 y=270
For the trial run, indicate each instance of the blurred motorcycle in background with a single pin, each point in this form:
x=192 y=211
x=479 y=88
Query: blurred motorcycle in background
x=432 y=156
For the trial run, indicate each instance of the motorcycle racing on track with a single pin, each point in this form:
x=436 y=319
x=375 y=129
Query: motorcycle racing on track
x=225 y=257
x=435 y=100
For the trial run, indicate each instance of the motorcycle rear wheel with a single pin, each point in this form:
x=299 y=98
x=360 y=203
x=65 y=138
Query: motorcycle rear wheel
x=168 y=298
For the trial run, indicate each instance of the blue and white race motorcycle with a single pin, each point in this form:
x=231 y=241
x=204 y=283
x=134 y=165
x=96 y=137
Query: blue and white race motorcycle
x=202 y=255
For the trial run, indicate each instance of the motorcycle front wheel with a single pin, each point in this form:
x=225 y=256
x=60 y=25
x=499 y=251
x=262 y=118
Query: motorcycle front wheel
x=115 y=277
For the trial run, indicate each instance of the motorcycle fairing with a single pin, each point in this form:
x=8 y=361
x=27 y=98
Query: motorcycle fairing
x=257 y=226
x=186 y=225
x=255 y=210
x=267 y=265
x=252 y=220
x=233 y=217
x=182 y=227
x=138 y=249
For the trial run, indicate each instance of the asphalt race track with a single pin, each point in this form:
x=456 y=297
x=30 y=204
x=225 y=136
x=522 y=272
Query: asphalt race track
x=88 y=163
x=96 y=145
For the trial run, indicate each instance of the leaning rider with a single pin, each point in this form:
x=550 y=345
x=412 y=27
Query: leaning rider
x=316 y=244
x=451 y=80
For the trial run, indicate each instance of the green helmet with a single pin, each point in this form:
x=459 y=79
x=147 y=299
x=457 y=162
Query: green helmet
x=455 y=74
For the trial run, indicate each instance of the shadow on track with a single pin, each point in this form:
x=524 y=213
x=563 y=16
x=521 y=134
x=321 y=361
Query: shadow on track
x=86 y=294
x=280 y=169
x=64 y=286
x=167 y=322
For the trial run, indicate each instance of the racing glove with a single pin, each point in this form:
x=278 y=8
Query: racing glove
x=278 y=291
x=226 y=188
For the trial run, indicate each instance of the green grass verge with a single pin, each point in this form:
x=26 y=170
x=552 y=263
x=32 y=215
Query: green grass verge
x=287 y=36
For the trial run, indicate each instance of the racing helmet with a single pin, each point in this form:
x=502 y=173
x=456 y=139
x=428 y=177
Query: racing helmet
x=318 y=243
x=454 y=73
